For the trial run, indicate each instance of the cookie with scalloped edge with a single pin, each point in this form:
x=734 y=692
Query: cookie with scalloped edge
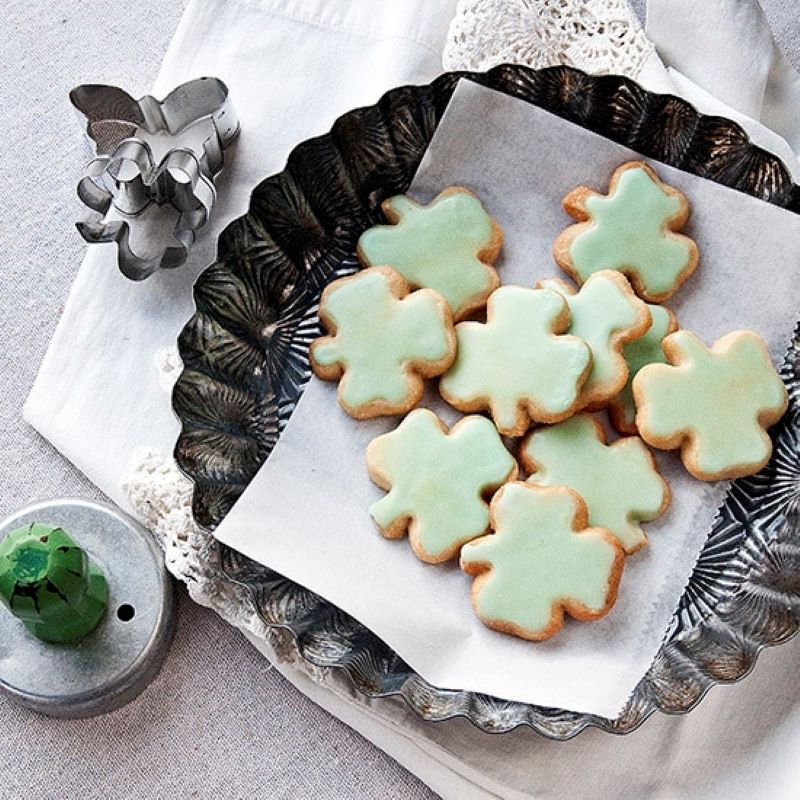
x=606 y=313
x=645 y=350
x=448 y=245
x=541 y=561
x=437 y=481
x=619 y=482
x=633 y=229
x=382 y=341
x=715 y=403
x=520 y=364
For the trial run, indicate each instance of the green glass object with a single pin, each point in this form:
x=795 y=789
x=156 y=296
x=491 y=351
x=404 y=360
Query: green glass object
x=49 y=583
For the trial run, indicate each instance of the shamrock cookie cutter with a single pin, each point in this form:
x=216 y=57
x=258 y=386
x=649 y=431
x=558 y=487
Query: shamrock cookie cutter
x=125 y=178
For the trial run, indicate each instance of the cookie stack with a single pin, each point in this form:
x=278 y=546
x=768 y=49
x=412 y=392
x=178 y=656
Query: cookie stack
x=539 y=362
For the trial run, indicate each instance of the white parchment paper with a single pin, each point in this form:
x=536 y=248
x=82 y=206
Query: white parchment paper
x=306 y=512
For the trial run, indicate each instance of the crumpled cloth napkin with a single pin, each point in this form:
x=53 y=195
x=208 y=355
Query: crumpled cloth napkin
x=721 y=56
x=293 y=66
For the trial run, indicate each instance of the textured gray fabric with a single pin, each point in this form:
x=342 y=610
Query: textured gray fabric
x=639 y=7
x=784 y=19
x=217 y=722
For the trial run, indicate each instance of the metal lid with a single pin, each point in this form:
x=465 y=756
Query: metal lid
x=114 y=662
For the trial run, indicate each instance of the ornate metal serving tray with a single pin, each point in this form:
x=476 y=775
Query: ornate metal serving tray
x=245 y=366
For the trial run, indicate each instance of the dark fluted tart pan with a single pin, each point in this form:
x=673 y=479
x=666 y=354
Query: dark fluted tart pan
x=245 y=366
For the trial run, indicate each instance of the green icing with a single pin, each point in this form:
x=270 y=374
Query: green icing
x=618 y=482
x=378 y=335
x=642 y=351
x=436 y=246
x=628 y=233
x=438 y=479
x=514 y=362
x=49 y=583
x=537 y=562
x=714 y=397
x=600 y=311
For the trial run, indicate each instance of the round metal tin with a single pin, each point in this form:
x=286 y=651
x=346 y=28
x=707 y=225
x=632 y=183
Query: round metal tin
x=301 y=232
x=116 y=661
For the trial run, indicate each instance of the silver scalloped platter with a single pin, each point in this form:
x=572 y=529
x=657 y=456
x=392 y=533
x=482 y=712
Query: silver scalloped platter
x=245 y=366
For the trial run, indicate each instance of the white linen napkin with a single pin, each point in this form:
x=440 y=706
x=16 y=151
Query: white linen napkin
x=98 y=399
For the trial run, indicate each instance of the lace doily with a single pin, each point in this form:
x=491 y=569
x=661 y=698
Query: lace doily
x=169 y=366
x=597 y=36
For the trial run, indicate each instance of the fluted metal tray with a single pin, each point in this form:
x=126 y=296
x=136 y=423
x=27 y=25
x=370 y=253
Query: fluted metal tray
x=245 y=366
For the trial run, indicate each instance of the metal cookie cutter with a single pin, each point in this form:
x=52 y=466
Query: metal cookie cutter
x=126 y=179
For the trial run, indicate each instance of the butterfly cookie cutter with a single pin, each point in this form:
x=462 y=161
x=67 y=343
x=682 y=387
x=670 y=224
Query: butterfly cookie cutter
x=125 y=178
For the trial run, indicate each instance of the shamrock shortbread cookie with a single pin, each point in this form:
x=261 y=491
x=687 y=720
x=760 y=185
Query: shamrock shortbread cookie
x=632 y=229
x=645 y=350
x=619 y=483
x=714 y=404
x=518 y=364
x=542 y=560
x=437 y=481
x=448 y=245
x=606 y=314
x=382 y=341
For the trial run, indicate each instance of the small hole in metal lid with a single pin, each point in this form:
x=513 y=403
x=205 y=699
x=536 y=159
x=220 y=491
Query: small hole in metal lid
x=126 y=612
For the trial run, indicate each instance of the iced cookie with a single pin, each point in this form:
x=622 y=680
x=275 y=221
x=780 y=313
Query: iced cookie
x=714 y=404
x=632 y=229
x=382 y=341
x=619 y=483
x=518 y=364
x=448 y=245
x=541 y=561
x=606 y=314
x=437 y=481
x=646 y=349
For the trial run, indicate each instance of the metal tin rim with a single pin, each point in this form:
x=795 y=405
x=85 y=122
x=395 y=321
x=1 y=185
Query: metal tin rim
x=689 y=662
x=129 y=683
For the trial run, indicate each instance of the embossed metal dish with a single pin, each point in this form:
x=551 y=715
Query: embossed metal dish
x=245 y=357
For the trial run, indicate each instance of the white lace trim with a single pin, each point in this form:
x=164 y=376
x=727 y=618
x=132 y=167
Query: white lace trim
x=597 y=36
x=169 y=366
